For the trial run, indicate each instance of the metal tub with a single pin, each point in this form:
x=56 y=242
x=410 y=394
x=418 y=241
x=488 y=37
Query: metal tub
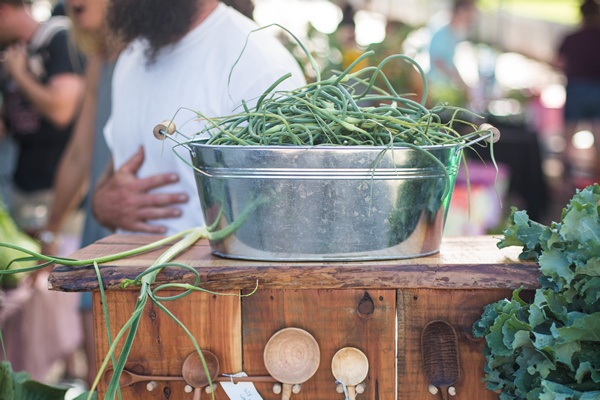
x=324 y=203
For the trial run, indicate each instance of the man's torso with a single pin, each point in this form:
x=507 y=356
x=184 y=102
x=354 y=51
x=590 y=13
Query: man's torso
x=193 y=74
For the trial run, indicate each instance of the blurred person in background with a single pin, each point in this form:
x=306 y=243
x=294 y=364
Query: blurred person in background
x=180 y=54
x=86 y=155
x=445 y=81
x=41 y=99
x=8 y=148
x=579 y=57
x=42 y=96
x=346 y=35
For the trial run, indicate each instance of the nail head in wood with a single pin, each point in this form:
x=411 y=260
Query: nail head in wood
x=360 y=388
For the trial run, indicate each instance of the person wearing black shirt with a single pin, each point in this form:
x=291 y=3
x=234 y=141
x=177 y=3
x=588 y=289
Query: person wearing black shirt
x=579 y=58
x=41 y=97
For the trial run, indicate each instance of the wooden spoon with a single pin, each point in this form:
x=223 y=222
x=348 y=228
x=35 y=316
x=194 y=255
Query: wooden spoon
x=129 y=378
x=440 y=355
x=350 y=366
x=292 y=356
x=194 y=374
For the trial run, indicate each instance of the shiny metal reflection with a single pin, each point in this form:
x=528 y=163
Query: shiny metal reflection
x=325 y=203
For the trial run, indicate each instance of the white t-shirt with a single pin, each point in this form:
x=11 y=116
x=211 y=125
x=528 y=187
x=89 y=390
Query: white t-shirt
x=192 y=73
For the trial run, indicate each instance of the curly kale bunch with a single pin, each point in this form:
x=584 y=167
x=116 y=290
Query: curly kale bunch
x=550 y=349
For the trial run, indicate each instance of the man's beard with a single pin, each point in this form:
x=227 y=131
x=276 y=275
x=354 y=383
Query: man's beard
x=159 y=22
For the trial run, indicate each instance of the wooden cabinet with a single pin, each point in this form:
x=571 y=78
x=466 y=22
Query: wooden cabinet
x=379 y=307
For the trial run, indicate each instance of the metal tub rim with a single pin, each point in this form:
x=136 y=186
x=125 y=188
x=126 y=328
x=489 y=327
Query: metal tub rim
x=323 y=147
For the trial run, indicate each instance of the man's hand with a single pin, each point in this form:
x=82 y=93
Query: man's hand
x=123 y=200
x=15 y=61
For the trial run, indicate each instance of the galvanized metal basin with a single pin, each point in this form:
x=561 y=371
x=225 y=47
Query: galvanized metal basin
x=324 y=203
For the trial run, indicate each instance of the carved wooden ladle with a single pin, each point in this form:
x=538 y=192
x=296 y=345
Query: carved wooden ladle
x=194 y=374
x=350 y=366
x=128 y=378
x=440 y=355
x=292 y=356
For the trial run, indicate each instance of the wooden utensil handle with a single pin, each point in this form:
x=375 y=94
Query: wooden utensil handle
x=444 y=392
x=267 y=378
x=286 y=393
x=351 y=392
x=197 y=393
x=157 y=378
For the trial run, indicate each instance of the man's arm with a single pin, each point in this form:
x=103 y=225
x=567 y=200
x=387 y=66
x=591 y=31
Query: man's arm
x=57 y=101
x=121 y=200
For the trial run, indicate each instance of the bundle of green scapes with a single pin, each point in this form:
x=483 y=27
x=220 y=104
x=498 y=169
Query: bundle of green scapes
x=550 y=349
x=327 y=113
x=145 y=280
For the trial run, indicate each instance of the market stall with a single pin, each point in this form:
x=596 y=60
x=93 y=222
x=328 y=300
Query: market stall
x=377 y=307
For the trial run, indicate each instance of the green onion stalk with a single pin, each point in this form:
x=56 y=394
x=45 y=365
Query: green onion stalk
x=145 y=280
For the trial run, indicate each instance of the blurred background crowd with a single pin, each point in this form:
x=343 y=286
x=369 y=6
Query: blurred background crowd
x=529 y=67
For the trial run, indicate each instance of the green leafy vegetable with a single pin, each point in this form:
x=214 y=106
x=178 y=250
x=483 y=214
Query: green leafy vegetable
x=550 y=349
x=19 y=386
x=9 y=233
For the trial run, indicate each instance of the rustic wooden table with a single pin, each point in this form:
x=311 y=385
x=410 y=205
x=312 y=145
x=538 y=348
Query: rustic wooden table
x=379 y=307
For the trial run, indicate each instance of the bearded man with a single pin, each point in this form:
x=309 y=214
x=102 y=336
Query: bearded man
x=180 y=54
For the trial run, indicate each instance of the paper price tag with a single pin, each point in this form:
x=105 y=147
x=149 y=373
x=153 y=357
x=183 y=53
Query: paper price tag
x=241 y=390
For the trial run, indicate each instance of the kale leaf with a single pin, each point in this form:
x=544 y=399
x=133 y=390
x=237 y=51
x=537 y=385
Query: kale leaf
x=550 y=349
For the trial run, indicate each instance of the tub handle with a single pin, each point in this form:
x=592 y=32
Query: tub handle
x=166 y=130
x=492 y=132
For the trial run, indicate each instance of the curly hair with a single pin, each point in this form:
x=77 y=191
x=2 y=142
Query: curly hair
x=158 y=22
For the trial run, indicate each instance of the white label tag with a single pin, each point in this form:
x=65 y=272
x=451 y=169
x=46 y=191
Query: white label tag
x=241 y=390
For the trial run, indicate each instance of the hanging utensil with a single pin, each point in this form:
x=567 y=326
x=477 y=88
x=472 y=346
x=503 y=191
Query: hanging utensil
x=129 y=378
x=350 y=366
x=194 y=374
x=292 y=356
x=440 y=355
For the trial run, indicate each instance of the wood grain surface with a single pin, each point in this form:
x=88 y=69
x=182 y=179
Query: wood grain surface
x=337 y=319
x=161 y=346
x=460 y=308
x=462 y=263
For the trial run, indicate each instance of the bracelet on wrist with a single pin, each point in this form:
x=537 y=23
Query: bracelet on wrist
x=47 y=237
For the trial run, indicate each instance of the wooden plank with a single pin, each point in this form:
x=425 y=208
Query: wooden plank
x=460 y=308
x=463 y=263
x=161 y=346
x=139 y=240
x=332 y=317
